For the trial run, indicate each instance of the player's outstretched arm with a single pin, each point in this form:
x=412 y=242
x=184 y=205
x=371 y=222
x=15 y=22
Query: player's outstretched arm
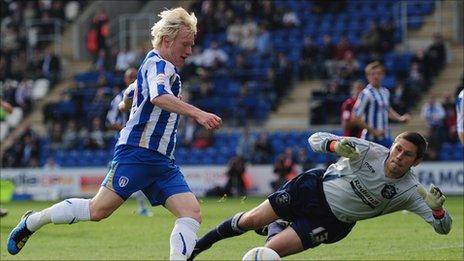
x=171 y=103
x=327 y=142
x=435 y=199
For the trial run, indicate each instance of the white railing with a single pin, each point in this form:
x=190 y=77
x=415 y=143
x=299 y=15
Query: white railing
x=54 y=37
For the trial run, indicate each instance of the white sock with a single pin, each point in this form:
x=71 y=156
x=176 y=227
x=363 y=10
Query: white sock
x=140 y=198
x=183 y=238
x=68 y=211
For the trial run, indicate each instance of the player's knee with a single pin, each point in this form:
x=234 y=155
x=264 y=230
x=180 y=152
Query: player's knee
x=99 y=214
x=249 y=220
x=195 y=214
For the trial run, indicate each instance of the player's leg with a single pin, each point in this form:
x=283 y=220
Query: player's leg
x=68 y=211
x=115 y=189
x=237 y=225
x=142 y=209
x=184 y=234
x=286 y=242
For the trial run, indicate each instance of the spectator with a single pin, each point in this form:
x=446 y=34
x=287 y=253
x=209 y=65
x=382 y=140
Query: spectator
x=203 y=139
x=437 y=54
x=342 y=48
x=236 y=173
x=51 y=164
x=370 y=40
x=50 y=66
x=327 y=54
x=245 y=145
x=284 y=168
x=305 y=162
x=263 y=150
x=23 y=94
x=95 y=138
x=416 y=80
x=187 y=133
x=290 y=19
x=350 y=126
x=433 y=113
x=308 y=60
x=401 y=98
x=214 y=57
x=249 y=32
x=234 y=31
x=70 y=139
x=263 y=41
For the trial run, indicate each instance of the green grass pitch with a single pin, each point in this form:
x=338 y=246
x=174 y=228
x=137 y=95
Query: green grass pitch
x=126 y=236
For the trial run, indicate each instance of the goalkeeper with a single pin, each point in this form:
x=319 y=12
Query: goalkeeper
x=320 y=206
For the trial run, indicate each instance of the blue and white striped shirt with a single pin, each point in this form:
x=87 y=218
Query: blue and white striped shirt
x=373 y=106
x=149 y=126
x=114 y=116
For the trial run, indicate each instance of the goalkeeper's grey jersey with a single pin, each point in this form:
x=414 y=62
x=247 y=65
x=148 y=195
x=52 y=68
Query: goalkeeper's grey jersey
x=358 y=189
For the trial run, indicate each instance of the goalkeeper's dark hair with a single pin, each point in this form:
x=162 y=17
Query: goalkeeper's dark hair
x=416 y=139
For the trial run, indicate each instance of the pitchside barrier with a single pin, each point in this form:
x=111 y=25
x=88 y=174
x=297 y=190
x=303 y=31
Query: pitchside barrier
x=46 y=184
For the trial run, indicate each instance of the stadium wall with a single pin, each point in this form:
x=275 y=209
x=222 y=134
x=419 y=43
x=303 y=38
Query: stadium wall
x=44 y=184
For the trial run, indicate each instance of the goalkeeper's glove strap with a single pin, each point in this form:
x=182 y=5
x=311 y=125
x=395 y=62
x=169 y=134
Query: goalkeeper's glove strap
x=438 y=214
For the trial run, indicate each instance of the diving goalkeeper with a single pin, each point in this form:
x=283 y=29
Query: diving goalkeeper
x=322 y=206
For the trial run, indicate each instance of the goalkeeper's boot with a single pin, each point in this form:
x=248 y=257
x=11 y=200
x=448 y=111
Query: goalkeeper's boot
x=19 y=235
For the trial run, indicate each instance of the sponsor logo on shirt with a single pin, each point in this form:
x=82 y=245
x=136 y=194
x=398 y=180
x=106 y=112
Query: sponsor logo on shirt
x=363 y=193
x=369 y=166
x=389 y=191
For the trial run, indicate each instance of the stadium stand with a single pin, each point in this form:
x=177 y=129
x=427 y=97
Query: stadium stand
x=248 y=57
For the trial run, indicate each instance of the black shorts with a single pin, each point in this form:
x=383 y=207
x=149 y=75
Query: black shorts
x=302 y=202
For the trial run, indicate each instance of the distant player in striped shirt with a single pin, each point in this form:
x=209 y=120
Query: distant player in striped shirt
x=460 y=115
x=143 y=157
x=117 y=117
x=372 y=109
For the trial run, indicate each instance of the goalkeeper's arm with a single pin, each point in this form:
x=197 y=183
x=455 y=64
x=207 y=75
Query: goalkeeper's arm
x=434 y=199
x=327 y=142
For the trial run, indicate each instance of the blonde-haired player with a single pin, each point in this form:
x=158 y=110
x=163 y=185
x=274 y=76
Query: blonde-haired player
x=143 y=158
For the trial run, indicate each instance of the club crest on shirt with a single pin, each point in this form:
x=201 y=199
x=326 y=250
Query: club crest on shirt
x=283 y=198
x=123 y=181
x=388 y=191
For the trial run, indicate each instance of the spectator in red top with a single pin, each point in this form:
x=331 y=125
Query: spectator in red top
x=350 y=128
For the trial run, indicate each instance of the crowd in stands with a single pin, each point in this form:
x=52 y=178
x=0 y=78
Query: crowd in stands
x=28 y=59
x=246 y=58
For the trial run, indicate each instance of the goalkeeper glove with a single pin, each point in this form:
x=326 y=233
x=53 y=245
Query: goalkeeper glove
x=345 y=148
x=434 y=198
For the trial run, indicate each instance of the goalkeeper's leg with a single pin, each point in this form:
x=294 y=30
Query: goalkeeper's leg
x=237 y=225
x=68 y=211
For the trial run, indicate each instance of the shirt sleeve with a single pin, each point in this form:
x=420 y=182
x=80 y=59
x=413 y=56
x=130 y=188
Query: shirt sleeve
x=460 y=112
x=158 y=74
x=113 y=112
x=318 y=141
x=129 y=91
x=417 y=205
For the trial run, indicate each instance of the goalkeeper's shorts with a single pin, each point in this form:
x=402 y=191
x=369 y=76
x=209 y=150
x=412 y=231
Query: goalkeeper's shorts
x=302 y=202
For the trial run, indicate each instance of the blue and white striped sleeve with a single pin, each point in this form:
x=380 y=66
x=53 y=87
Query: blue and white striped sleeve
x=113 y=112
x=158 y=78
x=129 y=91
x=460 y=112
x=361 y=104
